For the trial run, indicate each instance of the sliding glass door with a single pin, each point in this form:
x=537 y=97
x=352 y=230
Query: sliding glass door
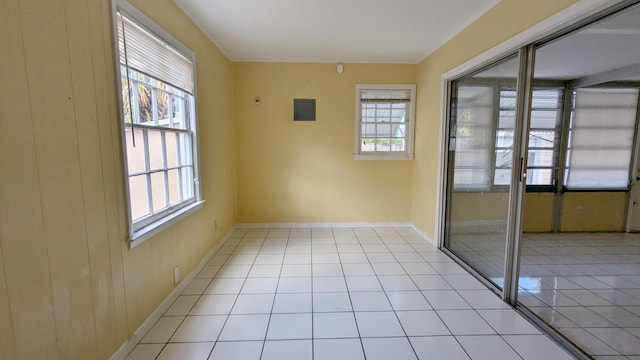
x=541 y=169
x=483 y=148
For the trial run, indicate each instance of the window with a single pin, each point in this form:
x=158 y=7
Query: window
x=384 y=122
x=544 y=137
x=477 y=123
x=601 y=134
x=158 y=121
x=601 y=138
x=474 y=124
x=504 y=137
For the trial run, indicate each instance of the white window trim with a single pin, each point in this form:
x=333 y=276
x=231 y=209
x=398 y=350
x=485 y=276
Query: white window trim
x=408 y=154
x=138 y=236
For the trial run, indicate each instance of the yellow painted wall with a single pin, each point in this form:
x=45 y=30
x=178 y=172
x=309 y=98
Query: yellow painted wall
x=69 y=286
x=304 y=171
x=503 y=21
x=582 y=211
x=478 y=206
x=595 y=211
x=473 y=207
x=537 y=212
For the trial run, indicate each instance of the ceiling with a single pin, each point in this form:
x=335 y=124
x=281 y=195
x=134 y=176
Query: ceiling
x=600 y=48
x=610 y=44
x=371 y=31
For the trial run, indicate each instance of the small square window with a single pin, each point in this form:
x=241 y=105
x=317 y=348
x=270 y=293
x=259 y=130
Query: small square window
x=384 y=122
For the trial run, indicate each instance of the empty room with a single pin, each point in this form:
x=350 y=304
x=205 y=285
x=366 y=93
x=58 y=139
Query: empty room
x=199 y=179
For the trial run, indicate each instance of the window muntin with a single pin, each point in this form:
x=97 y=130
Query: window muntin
x=158 y=116
x=492 y=160
x=601 y=139
x=504 y=137
x=384 y=121
x=544 y=135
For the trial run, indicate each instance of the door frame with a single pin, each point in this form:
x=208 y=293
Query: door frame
x=565 y=20
x=634 y=174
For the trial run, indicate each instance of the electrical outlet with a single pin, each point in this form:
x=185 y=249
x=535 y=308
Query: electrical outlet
x=176 y=275
x=579 y=209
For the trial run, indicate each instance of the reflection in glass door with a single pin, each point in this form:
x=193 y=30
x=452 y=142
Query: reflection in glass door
x=481 y=156
x=567 y=113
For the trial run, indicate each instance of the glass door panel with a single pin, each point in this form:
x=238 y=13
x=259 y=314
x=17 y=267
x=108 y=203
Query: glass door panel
x=481 y=155
x=583 y=137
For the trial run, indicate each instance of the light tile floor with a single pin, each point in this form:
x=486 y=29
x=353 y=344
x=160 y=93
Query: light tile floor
x=587 y=285
x=362 y=293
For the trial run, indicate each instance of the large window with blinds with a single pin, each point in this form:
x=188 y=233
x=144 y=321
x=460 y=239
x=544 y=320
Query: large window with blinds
x=601 y=131
x=601 y=135
x=484 y=137
x=384 y=122
x=157 y=98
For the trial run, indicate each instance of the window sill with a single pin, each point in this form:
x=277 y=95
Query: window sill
x=383 y=157
x=138 y=237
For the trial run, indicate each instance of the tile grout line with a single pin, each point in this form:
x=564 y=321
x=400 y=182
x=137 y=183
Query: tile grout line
x=236 y=299
x=437 y=314
x=311 y=263
x=384 y=241
x=385 y=292
x=166 y=343
x=266 y=331
x=353 y=311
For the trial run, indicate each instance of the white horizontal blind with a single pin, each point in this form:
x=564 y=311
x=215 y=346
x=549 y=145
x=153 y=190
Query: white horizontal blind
x=473 y=142
x=148 y=54
x=372 y=95
x=601 y=138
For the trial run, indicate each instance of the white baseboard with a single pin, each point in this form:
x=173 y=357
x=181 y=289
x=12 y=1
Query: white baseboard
x=322 y=225
x=128 y=346
x=424 y=235
x=133 y=340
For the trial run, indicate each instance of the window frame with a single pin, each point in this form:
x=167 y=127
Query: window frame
x=499 y=86
x=408 y=153
x=149 y=225
x=558 y=150
x=557 y=130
